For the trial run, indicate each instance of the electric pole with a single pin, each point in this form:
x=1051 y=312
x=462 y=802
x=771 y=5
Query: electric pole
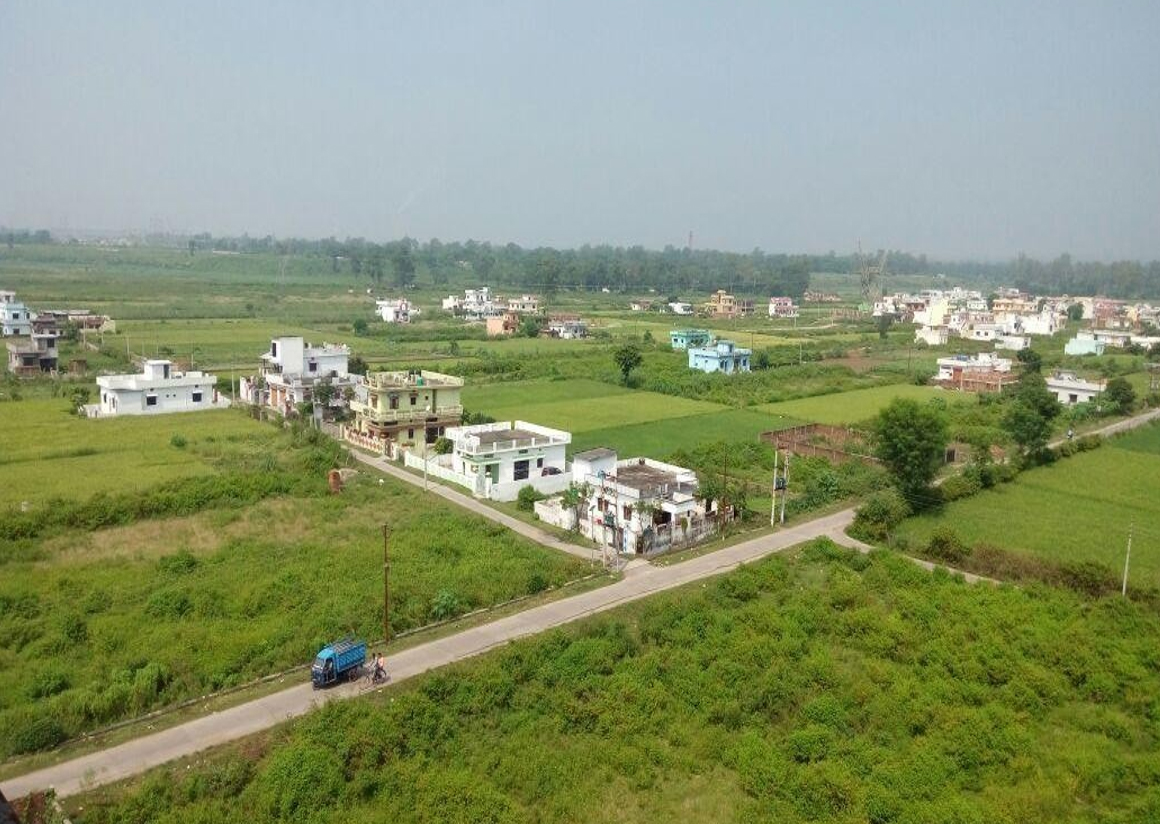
x=1127 y=558
x=785 y=489
x=773 y=508
x=386 y=587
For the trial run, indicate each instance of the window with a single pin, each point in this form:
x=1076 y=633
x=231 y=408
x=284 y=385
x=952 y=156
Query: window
x=539 y=463
x=1073 y=398
x=150 y=400
x=313 y=366
x=394 y=402
x=274 y=348
x=413 y=399
x=410 y=434
x=520 y=470
x=197 y=397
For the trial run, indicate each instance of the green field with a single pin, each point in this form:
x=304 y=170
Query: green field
x=858 y=405
x=1078 y=509
x=577 y=405
x=832 y=688
x=659 y=439
x=49 y=452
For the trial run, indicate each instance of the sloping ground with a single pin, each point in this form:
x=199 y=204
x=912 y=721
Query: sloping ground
x=830 y=688
x=1078 y=509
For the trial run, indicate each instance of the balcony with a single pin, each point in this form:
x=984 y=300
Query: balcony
x=410 y=414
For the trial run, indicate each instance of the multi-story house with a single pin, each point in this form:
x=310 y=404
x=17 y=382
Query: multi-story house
x=15 y=317
x=724 y=305
x=31 y=357
x=157 y=390
x=293 y=371
x=399 y=310
x=782 y=307
x=524 y=305
x=689 y=338
x=405 y=409
x=984 y=372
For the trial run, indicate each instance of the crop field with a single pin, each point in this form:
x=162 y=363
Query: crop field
x=858 y=405
x=1079 y=509
x=659 y=439
x=51 y=453
x=578 y=405
x=830 y=688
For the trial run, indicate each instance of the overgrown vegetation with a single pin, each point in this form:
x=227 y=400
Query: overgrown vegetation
x=833 y=688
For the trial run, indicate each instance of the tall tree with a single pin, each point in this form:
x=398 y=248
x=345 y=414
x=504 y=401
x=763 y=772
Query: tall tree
x=627 y=358
x=911 y=440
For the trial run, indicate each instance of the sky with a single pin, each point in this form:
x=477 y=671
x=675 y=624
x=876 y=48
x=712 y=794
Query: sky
x=959 y=130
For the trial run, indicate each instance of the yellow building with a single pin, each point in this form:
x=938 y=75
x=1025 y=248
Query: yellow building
x=406 y=408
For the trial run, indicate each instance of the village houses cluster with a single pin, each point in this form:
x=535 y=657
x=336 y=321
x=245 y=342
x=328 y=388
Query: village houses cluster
x=33 y=349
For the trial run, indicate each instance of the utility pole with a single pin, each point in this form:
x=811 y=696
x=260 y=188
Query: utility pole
x=785 y=490
x=1127 y=558
x=386 y=587
x=773 y=508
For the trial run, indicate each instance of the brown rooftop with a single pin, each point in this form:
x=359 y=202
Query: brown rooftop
x=642 y=476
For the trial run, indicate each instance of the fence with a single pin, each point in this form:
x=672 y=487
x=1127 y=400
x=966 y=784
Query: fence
x=445 y=473
x=667 y=537
x=804 y=441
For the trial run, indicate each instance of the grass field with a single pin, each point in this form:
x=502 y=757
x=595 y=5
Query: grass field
x=578 y=405
x=1078 y=509
x=658 y=439
x=49 y=452
x=858 y=405
x=832 y=688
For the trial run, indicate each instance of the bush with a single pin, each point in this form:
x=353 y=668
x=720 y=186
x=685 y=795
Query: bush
x=445 y=605
x=33 y=733
x=526 y=500
x=945 y=546
x=178 y=441
x=961 y=486
x=881 y=512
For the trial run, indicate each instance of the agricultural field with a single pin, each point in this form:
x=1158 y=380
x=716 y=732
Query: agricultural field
x=1078 y=509
x=51 y=453
x=833 y=687
x=161 y=558
x=859 y=405
x=578 y=405
x=659 y=439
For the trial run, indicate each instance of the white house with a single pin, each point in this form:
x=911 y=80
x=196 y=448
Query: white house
x=934 y=313
x=397 y=311
x=1071 y=389
x=452 y=303
x=782 y=307
x=15 y=317
x=678 y=308
x=524 y=305
x=292 y=370
x=478 y=304
x=1015 y=343
x=721 y=356
x=496 y=460
x=157 y=390
x=633 y=506
x=931 y=335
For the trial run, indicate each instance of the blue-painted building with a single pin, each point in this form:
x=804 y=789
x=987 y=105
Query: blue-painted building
x=722 y=356
x=688 y=338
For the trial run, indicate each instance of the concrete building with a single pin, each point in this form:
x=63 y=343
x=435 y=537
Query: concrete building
x=1071 y=389
x=678 y=308
x=405 y=409
x=633 y=506
x=15 y=317
x=565 y=327
x=689 y=338
x=722 y=356
x=524 y=305
x=724 y=305
x=505 y=323
x=293 y=369
x=32 y=356
x=983 y=372
x=1014 y=343
x=157 y=390
x=1084 y=343
x=398 y=310
x=931 y=335
x=782 y=307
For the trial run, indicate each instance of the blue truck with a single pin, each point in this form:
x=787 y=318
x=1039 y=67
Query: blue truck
x=341 y=661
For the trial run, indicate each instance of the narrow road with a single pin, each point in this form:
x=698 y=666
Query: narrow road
x=641 y=580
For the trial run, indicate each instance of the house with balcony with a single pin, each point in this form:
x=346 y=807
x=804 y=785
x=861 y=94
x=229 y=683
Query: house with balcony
x=32 y=356
x=15 y=317
x=722 y=356
x=496 y=460
x=404 y=409
x=725 y=306
x=1071 y=389
x=294 y=372
x=159 y=389
x=524 y=305
x=689 y=338
x=632 y=506
x=782 y=307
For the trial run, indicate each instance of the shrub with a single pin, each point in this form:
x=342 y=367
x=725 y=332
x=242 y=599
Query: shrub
x=178 y=441
x=945 y=545
x=526 y=500
x=300 y=781
x=881 y=512
x=445 y=605
x=961 y=486
x=31 y=732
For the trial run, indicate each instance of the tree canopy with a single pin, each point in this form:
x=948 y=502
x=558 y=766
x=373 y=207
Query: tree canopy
x=911 y=440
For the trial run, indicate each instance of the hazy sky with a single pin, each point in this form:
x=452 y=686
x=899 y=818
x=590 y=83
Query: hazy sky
x=964 y=129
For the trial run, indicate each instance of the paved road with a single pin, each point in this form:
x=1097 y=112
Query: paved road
x=641 y=579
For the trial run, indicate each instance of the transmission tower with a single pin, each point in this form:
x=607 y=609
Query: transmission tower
x=871 y=273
